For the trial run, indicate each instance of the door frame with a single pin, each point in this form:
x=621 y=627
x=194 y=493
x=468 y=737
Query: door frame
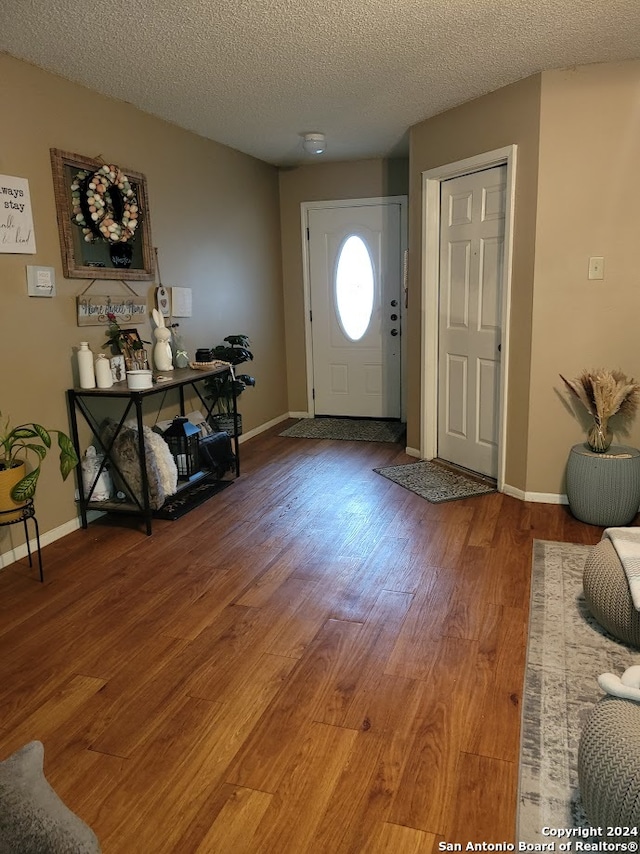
x=430 y=275
x=305 y=207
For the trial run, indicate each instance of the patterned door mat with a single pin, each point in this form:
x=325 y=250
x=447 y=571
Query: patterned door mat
x=353 y=429
x=436 y=482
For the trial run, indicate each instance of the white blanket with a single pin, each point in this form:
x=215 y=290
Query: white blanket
x=626 y=542
x=627 y=685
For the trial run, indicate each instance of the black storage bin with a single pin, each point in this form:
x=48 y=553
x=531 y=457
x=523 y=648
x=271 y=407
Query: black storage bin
x=216 y=454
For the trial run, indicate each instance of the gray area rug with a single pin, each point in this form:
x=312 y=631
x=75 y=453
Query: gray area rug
x=354 y=429
x=437 y=483
x=566 y=652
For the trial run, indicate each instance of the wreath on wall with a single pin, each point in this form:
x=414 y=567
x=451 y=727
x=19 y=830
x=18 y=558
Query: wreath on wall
x=105 y=205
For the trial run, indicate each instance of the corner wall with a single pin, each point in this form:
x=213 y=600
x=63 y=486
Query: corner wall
x=589 y=185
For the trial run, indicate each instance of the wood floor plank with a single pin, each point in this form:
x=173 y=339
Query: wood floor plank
x=263 y=759
x=315 y=660
x=291 y=820
x=237 y=822
x=482 y=814
x=417 y=641
x=364 y=794
x=497 y=685
x=60 y=708
x=392 y=838
x=359 y=667
x=294 y=634
x=232 y=654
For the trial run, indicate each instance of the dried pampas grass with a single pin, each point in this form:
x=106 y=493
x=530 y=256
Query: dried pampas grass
x=605 y=393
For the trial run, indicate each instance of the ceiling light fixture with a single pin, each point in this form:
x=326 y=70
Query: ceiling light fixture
x=314 y=143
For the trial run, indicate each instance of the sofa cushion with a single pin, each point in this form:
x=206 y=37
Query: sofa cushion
x=33 y=819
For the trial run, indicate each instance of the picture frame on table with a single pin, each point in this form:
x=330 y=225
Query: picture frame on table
x=118 y=369
x=133 y=350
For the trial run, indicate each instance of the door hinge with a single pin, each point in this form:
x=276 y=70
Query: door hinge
x=307 y=234
x=313 y=394
x=310 y=316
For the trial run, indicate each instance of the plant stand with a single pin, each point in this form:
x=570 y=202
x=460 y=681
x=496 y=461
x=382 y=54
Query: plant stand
x=22 y=515
x=604 y=489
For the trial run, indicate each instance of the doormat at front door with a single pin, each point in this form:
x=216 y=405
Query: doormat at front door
x=353 y=429
x=190 y=497
x=437 y=482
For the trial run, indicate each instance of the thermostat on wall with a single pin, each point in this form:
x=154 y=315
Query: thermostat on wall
x=41 y=281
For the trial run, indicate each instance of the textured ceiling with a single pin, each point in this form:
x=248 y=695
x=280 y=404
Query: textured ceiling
x=256 y=74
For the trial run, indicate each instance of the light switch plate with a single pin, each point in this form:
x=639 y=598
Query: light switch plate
x=596 y=267
x=41 y=281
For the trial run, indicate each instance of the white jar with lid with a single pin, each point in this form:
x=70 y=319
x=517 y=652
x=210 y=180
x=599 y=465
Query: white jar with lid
x=104 y=377
x=85 y=366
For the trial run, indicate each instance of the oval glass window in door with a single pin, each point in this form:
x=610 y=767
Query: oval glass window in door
x=354 y=287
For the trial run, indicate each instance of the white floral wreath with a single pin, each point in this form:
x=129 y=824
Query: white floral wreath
x=104 y=205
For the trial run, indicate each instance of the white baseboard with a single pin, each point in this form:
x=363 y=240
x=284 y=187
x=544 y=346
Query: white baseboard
x=546 y=498
x=261 y=429
x=536 y=497
x=412 y=452
x=18 y=552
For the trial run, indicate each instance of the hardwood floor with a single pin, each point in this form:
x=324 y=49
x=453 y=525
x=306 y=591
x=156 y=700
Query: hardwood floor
x=316 y=660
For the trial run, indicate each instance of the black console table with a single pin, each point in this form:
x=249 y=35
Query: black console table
x=80 y=400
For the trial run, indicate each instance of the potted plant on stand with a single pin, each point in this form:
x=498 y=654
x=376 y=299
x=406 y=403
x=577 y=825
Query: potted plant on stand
x=220 y=389
x=16 y=484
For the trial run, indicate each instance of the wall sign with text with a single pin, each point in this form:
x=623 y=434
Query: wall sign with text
x=93 y=309
x=16 y=222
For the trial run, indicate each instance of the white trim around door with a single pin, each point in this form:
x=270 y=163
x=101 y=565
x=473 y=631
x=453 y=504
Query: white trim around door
x=305 y=207
x=431 y=181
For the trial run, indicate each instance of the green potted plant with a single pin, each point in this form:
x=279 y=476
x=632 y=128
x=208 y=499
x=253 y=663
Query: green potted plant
x=220 y=389
x=16 y=485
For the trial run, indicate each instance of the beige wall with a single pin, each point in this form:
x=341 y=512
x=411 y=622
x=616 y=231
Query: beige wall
x=318 y=182
x=214 y=219
x=505 y=117
x=589 y=185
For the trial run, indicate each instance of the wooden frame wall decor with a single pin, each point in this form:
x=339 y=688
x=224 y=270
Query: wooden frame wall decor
x=84 y=260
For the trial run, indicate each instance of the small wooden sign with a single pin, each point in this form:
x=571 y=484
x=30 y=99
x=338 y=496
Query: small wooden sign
x=94 y=308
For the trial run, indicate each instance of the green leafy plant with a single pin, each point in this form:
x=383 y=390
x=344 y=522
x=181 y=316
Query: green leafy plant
x=220 y=388
x=17 y=442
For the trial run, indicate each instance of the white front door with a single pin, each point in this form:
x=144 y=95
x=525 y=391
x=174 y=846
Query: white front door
x=472 y=227
x=355 y=274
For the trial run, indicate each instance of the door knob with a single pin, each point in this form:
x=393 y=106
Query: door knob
x=394 y=332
